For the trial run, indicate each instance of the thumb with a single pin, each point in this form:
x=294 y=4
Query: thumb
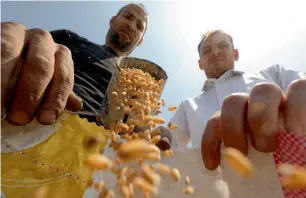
x=74 y=103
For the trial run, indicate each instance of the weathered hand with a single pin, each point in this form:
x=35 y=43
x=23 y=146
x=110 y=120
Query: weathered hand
x=37 y=76
x=260 y=114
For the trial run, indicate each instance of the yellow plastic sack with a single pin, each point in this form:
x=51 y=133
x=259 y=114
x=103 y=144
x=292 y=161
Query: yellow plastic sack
x=56 y=163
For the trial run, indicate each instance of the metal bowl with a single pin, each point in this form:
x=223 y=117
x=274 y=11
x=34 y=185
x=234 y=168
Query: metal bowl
x=108 y=113
x=147 y=66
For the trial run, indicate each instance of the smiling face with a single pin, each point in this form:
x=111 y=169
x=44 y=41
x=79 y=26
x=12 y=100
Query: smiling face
x=217 y=54
x=127 y=29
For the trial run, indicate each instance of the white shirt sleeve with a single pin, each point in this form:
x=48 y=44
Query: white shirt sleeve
x=281 y=76
x=181 y=135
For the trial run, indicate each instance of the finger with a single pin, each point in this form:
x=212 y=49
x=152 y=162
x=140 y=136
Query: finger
x=12 y=42
x=60 y=87
x=295 y=111
x=280 y=126
x=34 y=78
x=211 y=140
x=233 y=122
x=265 y=101
x=74 y=103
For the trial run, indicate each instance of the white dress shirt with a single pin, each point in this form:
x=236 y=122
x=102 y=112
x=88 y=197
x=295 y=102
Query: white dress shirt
x=193 y=113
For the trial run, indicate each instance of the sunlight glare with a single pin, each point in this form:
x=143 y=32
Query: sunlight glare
x=257 y=26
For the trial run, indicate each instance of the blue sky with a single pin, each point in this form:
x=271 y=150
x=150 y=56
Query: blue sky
x=265 y=33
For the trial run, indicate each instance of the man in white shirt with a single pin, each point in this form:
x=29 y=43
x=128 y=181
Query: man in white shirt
x=233 y=104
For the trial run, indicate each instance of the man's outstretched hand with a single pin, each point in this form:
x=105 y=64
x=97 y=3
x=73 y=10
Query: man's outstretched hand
x=260 y=114
x=37 y=76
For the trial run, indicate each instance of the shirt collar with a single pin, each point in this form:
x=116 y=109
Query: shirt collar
x=210 y=83
x=109 y=51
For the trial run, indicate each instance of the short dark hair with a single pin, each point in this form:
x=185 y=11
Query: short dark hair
x=210 y=32
x=140 y=5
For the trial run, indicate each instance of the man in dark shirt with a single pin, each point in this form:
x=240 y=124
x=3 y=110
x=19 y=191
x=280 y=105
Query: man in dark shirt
x=94 y=64
x=30 y=57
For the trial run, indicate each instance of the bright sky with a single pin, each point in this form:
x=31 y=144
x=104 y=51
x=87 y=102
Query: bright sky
x=265 y=32
x=258 y=27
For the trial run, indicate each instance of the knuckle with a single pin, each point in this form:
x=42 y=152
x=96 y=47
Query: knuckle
x=37 y=32
x=213 y=123
x=9 y=48
x=64 y=57
x=232 y=100
x=296 y=95
x=215 y=118
x=11 y=40
x=63 y=49
x=265 y=89
x=12 y=24
x=298 y=86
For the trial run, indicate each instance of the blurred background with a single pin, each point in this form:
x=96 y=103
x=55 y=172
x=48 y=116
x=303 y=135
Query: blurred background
x=265 y=33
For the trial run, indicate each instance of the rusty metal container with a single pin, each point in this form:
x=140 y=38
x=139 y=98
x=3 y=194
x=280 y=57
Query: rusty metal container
x=109 y=113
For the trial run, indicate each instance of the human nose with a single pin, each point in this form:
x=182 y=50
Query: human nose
x=132 y=25
x=215 y=51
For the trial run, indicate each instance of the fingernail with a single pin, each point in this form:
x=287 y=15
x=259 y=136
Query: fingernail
x=47 y=117
x=80 y=102
x=19 y=118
